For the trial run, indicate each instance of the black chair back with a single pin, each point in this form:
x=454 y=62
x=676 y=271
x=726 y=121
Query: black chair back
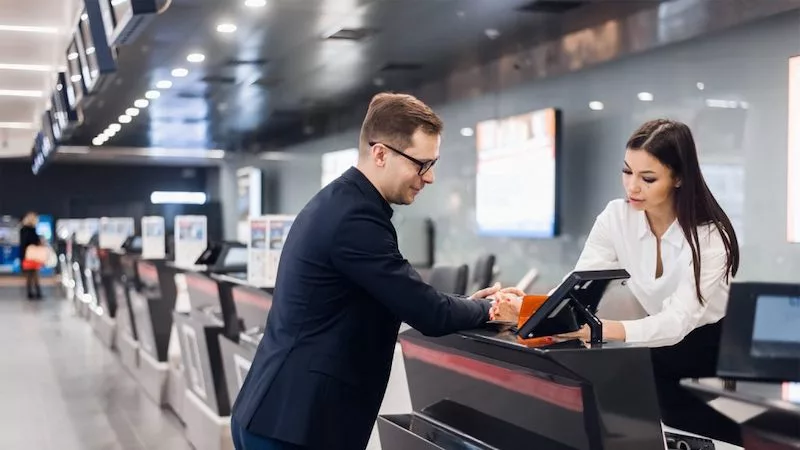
x=449 y=279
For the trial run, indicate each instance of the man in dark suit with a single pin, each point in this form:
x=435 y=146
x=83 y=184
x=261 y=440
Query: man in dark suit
x=342 y=290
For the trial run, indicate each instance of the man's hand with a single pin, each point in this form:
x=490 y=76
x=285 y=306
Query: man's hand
x=494 y=291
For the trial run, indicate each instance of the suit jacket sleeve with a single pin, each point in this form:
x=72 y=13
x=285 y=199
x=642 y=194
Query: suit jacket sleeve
x=365 y=251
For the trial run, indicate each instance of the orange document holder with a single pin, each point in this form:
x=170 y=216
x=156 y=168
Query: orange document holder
x=531 y=303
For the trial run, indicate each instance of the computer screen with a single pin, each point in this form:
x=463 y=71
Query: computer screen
x=516 y=177
x=236 y=256
x=558 y=315
x=776 y=327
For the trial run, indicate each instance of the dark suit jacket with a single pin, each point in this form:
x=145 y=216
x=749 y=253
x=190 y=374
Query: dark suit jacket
x=342 y=289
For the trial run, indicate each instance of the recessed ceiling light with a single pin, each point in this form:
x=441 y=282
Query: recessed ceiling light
x=141 y=103
x=164 y=84
x=180 y=72
x=75 y=78
x=152 y=95
x=90 y=50
x=467 y=132
x=491 y=33
x=645 y=96
x=255 y=3
x=115 y=127
x=110 y=133
x=72 y=56
x=84 y=17
x=701 y=86
x=133 y=112
x=19 y=93
x=596 y=106
x=226 y=28
x=27 y=29
x=124 y=119
x=196 y=57
x=30 y=67
x=97 y=141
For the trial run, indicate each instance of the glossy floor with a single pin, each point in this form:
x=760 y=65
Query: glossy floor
x=61 y=389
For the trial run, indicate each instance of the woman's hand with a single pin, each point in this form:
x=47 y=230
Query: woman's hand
x=612 y=331
x=506 y=305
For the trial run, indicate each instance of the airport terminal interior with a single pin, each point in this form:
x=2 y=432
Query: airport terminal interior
x=155 y=156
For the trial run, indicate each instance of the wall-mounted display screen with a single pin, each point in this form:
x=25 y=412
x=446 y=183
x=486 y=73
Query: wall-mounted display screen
x=516 y=181
x=793 y=194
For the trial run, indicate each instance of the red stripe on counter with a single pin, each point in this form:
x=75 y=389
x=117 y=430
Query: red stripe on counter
x=567 y=397
x=203 y=284
x=148 y=271
x=242 y=296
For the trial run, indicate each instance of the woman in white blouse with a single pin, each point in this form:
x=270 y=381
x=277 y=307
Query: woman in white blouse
x=680 y=249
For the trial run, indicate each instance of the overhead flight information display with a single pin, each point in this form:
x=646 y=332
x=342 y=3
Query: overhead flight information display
x=516 y=182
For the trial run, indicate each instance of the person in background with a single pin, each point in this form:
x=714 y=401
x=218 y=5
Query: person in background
x=28 y=237
x=342 y=290
x=678 y=245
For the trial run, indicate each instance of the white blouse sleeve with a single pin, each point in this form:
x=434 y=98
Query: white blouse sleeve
x=599 y=252
x=682 y=311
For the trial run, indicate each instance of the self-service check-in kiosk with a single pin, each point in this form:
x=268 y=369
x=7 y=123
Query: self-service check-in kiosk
x=104 y=320
x=518 y=387
x=152 y=302
x=211 y=314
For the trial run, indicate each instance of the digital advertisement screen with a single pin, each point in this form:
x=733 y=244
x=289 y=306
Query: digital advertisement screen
x=516 y=175
x=776 y=327
x=793 y=186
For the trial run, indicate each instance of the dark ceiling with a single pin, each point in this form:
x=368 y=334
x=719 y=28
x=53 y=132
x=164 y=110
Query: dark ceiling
x=263 y=85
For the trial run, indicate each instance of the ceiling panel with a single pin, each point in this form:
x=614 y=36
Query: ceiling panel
x=278 y=70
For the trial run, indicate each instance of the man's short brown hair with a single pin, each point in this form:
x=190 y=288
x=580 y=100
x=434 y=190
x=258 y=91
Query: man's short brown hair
x=394 y=118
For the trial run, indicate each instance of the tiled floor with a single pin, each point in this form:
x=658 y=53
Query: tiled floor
x=61 y=389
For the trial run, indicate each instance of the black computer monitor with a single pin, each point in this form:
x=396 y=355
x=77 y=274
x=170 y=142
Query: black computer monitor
x=761 y=333
x=572 y=305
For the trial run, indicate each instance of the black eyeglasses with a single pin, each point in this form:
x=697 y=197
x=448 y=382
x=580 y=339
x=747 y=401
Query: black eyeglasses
x=424 y=166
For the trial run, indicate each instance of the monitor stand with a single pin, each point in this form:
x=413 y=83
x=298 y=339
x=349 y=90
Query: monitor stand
x=595 y=325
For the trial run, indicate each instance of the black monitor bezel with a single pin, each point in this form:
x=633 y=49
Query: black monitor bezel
x=735 y=358
x=560 y=298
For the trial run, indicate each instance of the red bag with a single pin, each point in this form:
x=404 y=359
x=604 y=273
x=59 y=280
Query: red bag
x=29 y=264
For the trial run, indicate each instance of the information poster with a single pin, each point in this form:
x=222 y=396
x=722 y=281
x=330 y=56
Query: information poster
x=248 y=198
x=267 y=237
x=191 y=239
x=114 y=231
x=516 y=175
x=334 y=164
x=85 y=230
x=154 y=237
x=793 y=194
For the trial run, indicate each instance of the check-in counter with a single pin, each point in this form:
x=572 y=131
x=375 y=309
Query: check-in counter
x=769 y=412
x=484 y=389
x=516 y=386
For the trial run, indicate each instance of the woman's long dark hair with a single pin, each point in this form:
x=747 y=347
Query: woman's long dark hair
x=672 y=144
